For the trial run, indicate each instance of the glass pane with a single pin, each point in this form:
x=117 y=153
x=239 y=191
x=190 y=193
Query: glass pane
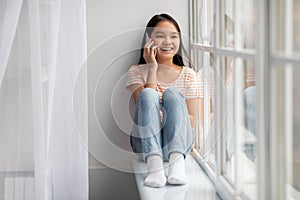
x=296 y=26
x=247 y=132
x=196 y=59
x=295 y=137
x=210 y=136
x=246 y=16
x=286 y=128
x=228 y=24
x=205 y=139
x=204 y=22
x=239 y=24
x=286 y=30
x=228 y=63
x=240 y=95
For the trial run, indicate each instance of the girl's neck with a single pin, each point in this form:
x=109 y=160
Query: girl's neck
x=168 y=73
x=167 y=64
x=168 y=68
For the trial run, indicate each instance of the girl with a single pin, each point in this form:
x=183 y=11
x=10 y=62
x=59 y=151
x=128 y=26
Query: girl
x=165 y=93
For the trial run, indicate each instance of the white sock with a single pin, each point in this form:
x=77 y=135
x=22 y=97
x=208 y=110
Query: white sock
x=177 y=174
x=156 y=174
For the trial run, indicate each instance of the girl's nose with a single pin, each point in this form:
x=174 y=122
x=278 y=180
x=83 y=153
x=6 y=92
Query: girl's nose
x=167 y=41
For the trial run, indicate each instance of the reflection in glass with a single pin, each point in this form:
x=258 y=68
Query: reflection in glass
x=229 y=24
x=205 y=23
x=211 y=137
x=296 y=126
x=240 y=95
x=239 y=25
x=205 y=137
x=196 y=58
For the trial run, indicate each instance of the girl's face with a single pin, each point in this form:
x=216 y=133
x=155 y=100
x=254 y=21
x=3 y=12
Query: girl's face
x=166 y=37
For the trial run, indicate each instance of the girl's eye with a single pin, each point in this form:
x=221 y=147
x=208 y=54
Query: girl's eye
x=174 y=36
x=159 y=36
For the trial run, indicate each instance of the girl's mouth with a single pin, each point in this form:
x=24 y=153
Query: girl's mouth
x=166 y=48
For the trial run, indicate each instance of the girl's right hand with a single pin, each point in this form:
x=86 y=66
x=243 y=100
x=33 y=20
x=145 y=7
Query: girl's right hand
x=150 y=50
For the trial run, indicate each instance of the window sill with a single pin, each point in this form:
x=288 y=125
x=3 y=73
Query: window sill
x=199 y=185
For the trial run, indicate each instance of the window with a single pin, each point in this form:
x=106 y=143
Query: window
x=284 y=70
x=246 y=54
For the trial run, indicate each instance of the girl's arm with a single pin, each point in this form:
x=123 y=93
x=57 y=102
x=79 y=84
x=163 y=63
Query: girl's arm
x=149 y=56
x=193 y=105
x=137 y=92
x=151 y=81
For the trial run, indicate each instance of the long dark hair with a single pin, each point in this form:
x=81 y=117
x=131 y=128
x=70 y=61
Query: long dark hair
x=177 y=59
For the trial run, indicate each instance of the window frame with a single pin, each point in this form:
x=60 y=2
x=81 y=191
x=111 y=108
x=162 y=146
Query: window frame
x=271 y=125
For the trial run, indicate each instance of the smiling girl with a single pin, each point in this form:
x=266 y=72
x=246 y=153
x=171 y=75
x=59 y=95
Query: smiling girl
x=165 y=92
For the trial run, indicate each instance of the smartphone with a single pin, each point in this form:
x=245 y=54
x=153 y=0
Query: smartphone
x=147 y=39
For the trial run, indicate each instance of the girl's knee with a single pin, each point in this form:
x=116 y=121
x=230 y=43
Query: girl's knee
x=148 y=95
x=172 y=94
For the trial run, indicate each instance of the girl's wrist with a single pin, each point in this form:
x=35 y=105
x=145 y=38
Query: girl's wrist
x=150 y=85
x=153 y=65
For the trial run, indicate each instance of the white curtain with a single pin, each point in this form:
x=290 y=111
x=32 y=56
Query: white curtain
x=43 y=100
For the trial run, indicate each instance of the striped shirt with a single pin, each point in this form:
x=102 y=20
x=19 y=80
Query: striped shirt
x=186 y=82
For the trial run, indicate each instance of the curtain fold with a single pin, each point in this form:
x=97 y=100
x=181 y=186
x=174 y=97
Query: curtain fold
x=11 y=10
x=65 y=142
x=43 y=100
x=40 y=164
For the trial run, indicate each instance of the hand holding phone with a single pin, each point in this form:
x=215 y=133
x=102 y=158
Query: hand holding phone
x=150 y=50
x=153 y=45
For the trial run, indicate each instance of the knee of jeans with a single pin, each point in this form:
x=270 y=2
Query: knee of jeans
x=148 y=95
x=172 y=94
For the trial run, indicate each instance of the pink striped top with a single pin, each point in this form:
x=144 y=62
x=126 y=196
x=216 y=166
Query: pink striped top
x=186 y=82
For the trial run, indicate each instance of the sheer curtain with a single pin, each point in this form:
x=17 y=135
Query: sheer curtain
x=43 y=100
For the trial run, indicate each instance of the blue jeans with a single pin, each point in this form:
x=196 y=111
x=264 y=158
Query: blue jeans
x=152 y=135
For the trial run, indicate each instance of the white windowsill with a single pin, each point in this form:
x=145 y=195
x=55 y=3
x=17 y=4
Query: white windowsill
x=199 y=185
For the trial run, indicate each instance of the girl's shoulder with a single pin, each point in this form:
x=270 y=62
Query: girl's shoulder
x=138 y=67
x=134 y=67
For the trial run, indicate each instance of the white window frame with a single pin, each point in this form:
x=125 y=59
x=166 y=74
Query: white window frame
x=274 y=117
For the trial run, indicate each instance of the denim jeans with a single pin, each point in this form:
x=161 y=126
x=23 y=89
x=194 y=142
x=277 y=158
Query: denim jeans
x=152 y=134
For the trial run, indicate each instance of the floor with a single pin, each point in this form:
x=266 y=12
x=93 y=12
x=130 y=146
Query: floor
x=110 y=184
x=198 y=187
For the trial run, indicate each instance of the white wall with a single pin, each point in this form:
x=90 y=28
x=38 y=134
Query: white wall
x=114 y=38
